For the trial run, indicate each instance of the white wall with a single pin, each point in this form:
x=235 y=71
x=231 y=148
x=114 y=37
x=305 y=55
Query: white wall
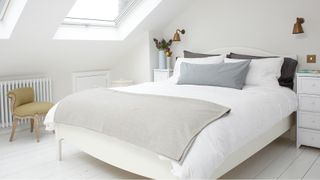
x=138 y=62
x=134 y=63
x=264 y=24
x=31 y=49
x=210 y=24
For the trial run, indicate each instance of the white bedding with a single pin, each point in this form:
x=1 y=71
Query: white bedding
x=254 y=110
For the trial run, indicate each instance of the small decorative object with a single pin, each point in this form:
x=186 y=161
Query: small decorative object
x=176 y=36
x=169 y=60
x=297 y=28
x=163 y=46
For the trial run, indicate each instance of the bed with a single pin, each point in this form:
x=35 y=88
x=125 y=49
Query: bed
x=220 y=147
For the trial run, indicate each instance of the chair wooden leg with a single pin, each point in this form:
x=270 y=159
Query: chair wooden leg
x=32 y=124
x=13 y=131
x=36 y=128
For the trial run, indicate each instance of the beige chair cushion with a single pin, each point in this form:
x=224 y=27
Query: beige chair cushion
x=32 y=109
x=22 y=96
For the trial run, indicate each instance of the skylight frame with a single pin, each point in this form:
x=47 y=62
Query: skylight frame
x=4 y=9
x=87 y=22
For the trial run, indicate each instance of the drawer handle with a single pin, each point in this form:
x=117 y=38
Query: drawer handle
x=313 y=103
x=314 y=85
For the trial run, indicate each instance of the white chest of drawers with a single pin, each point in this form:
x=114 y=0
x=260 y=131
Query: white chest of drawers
x=162 y=74
x=308 y=121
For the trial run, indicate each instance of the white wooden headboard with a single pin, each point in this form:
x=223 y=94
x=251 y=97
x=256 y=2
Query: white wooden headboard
x=248 y=51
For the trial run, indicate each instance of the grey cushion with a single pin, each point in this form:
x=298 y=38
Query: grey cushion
x=244 y=56
x=288 y=68
x=232 y=75
x=188 y=54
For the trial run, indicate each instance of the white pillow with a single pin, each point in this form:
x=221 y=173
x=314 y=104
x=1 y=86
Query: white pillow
x=262 y=72
x=206 y=60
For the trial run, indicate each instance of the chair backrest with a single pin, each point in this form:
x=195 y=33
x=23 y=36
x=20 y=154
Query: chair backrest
x=21 y=96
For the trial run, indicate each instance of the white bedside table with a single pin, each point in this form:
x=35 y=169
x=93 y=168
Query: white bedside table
x=308 y=119
x=162 y=74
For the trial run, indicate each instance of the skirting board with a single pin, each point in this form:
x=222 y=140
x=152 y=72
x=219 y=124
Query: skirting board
x=145 y=163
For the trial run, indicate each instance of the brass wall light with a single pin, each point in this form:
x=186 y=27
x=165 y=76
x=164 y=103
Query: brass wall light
x=176 y=36
x=297 y=28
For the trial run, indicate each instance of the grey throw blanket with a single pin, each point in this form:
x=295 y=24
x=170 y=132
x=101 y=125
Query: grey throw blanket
x=165 y=125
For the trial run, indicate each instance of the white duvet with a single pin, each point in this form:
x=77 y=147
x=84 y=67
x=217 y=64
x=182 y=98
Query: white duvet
x=254 y=110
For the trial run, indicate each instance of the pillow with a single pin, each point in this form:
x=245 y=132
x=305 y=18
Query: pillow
x=207 y=60
x=288 y=72
x=288 y=68
x=232 y=75
x=262 y=72
x=188 y=54
x=243 y=56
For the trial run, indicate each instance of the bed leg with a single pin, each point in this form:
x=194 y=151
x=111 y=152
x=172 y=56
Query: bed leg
x=60 y=149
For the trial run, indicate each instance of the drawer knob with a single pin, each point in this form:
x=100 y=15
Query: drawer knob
x=314 y=85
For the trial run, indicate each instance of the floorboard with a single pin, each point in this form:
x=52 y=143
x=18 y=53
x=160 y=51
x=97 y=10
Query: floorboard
x=254 y=165
x=26 y=159
x=280 y=164
x=300 y=166
x=314 y=171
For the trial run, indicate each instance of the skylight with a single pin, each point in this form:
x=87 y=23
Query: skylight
x=10 y=12
x=99 y=12
x=3 y=8
x=111 y=20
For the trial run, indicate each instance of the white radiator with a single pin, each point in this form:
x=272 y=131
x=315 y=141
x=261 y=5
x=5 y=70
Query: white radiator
x=42 y=92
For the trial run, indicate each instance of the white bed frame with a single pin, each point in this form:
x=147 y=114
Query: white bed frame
x=146 y=163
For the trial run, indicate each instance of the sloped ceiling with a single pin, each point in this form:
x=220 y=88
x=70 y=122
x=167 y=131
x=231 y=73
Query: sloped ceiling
x=32 y=50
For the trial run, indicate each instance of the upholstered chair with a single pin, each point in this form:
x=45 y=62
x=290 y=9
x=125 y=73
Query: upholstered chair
x=24 y=107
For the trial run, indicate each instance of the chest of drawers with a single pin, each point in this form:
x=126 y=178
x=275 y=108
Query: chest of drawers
x=308 y=121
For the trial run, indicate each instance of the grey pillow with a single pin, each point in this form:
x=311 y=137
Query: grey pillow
x=188 y=54
x=288 y=68
x=231 y=75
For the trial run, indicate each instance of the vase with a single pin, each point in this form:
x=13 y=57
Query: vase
x=162 y=60
x=169 y=63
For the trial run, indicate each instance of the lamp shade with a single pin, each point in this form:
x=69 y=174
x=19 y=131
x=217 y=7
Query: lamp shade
x=297 y=28
x=176 y=36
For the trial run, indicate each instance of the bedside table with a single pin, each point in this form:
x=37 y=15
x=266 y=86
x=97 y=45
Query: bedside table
x=308 y=117
x=122 y=83
x=162 y=74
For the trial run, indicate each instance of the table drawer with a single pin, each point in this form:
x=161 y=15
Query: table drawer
x=309 y=137
x=309 y=103
x=309 y=85
x=309 y=120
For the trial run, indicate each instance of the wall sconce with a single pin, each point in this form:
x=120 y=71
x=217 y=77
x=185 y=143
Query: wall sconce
x=297 y=28
x=176 y=36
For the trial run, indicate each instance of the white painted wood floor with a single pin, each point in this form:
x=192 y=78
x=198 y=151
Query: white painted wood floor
x=26 y=159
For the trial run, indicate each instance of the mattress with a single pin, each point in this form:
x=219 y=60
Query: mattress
x=255 y=110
